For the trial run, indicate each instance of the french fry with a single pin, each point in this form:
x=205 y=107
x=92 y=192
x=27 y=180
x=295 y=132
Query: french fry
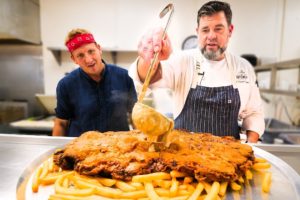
x=174 y=187
x=207 y=186
x=51 y=164
x=71 y=191
x=223 y=188
x=187 y=180
x=151 y=192
x=236 y=195
x=52 y=177
x=241 y=179
x=178 y=198
x=45 y=170
x=234 y=186
x=261 y=166
x=125 y=186
x=67 y=197
x=163 y=183
x=184 y=192
x=182 y=187
x=99 y=190
x=36 y=180
x=190 y=188
x=214 y=191
x=137 y=185
x=66 y=182
x=133 y=195
x=177 y=174
x=266 y=183
x=162 y=192
x=249 y=175
x=151 y=177
x=259 y=160
x=197 y=192
x=78 y=177
x=70 y=185
x=107 y=181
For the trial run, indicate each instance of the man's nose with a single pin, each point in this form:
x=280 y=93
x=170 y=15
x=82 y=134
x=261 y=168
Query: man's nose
x=88 y=58
x=212 y=35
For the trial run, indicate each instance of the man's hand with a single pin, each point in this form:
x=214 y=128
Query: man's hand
x=60 y=127
x=252 y=137
x=153 y=42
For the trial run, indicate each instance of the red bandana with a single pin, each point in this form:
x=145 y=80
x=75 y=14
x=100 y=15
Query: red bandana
x=79 y=40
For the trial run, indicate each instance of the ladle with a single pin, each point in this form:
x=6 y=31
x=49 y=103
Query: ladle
x=168 y=8
x=145 y=118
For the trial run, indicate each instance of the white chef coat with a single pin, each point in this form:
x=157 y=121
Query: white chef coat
x=179 y=74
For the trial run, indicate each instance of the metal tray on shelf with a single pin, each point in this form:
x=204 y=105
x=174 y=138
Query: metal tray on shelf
x=285 y=182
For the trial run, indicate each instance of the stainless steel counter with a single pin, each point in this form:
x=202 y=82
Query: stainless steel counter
x=18 y=151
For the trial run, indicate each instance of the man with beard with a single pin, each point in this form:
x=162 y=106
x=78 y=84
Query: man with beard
x=95 y=96
x=212 y=88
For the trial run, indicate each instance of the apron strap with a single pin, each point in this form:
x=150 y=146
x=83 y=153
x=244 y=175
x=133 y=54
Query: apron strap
x=198 y=73
x=232 y=70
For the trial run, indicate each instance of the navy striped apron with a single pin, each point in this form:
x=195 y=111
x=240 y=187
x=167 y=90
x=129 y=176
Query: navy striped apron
x=211 y=110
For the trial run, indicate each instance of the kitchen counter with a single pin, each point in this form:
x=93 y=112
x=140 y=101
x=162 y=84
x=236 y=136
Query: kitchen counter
x=17 y=152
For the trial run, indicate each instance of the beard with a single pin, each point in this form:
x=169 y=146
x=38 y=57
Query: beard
x=213 y=55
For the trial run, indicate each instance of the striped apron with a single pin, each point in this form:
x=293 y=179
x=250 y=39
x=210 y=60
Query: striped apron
x=211 y=109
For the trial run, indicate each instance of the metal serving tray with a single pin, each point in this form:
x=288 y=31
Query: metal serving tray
x=285 y=182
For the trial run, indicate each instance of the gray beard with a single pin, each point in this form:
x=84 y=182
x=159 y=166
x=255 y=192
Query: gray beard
x=213 y=55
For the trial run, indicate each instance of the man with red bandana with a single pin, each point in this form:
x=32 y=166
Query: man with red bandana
x=212 y=88
x=95 y=96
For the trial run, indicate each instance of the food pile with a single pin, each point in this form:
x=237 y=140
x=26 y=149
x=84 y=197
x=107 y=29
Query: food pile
x=119 y=165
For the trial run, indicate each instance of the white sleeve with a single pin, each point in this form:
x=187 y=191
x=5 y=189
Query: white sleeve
x=165 y=82
x=253 y=115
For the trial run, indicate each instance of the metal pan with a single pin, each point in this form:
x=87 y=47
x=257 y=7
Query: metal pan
x=285 y=182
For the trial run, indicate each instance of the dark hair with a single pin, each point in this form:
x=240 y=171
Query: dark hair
x=213 y=7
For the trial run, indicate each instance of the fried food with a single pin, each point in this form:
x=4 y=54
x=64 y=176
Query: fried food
x=122 y=155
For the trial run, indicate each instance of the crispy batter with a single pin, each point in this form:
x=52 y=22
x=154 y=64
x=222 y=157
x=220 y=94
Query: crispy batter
x=122 y=155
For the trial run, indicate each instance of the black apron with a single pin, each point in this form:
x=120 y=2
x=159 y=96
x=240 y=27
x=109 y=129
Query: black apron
x=211 y=109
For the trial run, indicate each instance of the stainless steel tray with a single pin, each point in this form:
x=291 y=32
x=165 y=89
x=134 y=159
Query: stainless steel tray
x=285 y=182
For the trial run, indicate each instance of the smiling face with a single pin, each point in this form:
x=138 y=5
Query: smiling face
x=88 y=57
x=213 y=35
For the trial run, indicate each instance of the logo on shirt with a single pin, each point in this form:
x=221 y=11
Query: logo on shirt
x=242 y=77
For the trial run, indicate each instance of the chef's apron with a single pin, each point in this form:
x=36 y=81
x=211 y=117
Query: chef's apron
x=211 y=109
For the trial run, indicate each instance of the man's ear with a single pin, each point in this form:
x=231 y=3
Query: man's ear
x=72 y=57
x=98 y=46
x=231 y=27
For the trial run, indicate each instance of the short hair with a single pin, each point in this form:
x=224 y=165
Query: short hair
x=213 y=7
x=74 y=32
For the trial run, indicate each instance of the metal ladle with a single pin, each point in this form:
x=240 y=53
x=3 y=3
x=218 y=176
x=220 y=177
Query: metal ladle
x=145 y=118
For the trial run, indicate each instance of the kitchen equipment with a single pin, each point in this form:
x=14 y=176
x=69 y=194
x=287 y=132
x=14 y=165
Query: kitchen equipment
x=11 y=111
x=274 y=128
x=40 y=124
x=143 y=115
x=48 y=102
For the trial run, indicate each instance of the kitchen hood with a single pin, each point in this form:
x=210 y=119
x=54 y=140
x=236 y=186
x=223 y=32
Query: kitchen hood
x=20 y=21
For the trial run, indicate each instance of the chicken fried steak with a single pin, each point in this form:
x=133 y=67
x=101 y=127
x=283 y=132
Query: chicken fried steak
x=121 y=155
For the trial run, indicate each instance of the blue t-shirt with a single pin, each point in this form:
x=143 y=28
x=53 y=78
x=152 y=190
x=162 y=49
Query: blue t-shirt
x=89 y=105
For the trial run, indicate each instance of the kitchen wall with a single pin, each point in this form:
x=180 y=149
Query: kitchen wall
x=21 y=77
x=269 y=29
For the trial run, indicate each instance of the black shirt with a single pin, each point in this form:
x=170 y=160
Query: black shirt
x=89 y=105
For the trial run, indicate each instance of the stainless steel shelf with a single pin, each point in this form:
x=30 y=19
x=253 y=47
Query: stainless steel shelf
x=57 y=52
x=273 y=68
